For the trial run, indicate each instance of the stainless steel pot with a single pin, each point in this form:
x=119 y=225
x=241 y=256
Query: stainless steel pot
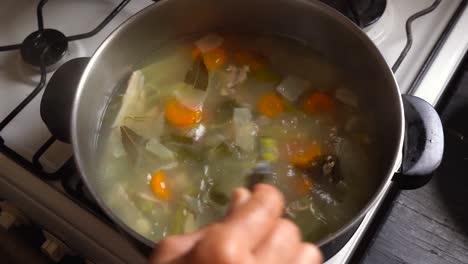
x=324 y=29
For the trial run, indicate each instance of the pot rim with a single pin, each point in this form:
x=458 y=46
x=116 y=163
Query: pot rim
x=344 y=21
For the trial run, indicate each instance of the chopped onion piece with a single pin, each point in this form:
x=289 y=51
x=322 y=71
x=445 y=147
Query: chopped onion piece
x=245 y=130
x=347 y=97
x=143 y=226
x=168 y=166
x=118 y=149
x=190 y=97
x=209 y=42
x=292 y=87
x=119 y=194
x=197 y=132
x=245 y=137
x=263 y=121
x=153 y=199
x=132 y=100
x=215 y=140
x=149 y=197
x=242 y=116
x=190 y=224
x=159 y=150
x=159 y=124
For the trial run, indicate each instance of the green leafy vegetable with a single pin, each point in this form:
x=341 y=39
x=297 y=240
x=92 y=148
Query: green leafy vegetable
x=180 y=217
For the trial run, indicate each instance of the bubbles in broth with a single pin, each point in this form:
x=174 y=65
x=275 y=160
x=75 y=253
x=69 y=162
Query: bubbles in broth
x=201 y=114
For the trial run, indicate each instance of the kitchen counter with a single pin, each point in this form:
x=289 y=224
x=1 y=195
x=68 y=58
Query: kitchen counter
x=429 y=225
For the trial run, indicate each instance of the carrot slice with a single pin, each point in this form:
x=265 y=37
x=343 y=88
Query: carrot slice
x=213 y=59
x=159 y=186
x=303 y=185
x=271 y=105
x=318 y=103
x=195 y=53
x=181 y=116
x=303 y=157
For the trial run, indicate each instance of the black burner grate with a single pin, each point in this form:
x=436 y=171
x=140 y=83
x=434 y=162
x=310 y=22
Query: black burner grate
x=67 y=172
x=362 y=12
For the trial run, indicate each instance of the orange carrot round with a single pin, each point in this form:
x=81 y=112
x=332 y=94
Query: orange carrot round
x=271 y=105
x=214 y=59
x=318 y=103
x=159 y=185
x=181 y=116
x=196 y=52
x=304 y=155
x=303 y=185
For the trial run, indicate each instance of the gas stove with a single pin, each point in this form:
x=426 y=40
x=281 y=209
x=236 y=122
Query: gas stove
x=422 y=40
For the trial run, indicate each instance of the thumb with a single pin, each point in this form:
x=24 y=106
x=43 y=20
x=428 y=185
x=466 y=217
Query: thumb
x=239 y=197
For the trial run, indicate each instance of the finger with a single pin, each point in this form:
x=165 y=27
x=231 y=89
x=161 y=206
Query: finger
x=255 y=218
x=281 y=245
x=239 y=197
x=219 y=245
x=308 y=254
x=174 y=247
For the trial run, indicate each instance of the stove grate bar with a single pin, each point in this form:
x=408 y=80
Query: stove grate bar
x=43 y=149
x=30 y=97
x=409 y=33
x=35 y=166
x=10 y=47
x=102 y=24
x=40 y=18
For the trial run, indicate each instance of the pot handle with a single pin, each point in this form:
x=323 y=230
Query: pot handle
x=57 y=101
x=423 y=148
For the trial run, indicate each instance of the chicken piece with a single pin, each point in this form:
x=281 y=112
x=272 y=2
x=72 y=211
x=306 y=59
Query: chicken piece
x=237 y=75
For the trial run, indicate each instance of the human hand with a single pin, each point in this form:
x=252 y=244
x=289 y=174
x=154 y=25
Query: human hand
x=252 y=232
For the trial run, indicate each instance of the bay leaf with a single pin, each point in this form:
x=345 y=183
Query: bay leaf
x=197 y=76
x=131 y=141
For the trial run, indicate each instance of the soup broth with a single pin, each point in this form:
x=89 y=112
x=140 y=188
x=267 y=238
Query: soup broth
x=202 y=115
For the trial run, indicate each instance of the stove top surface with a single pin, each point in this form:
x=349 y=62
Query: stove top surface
x=363 y=13
x=383 y=21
